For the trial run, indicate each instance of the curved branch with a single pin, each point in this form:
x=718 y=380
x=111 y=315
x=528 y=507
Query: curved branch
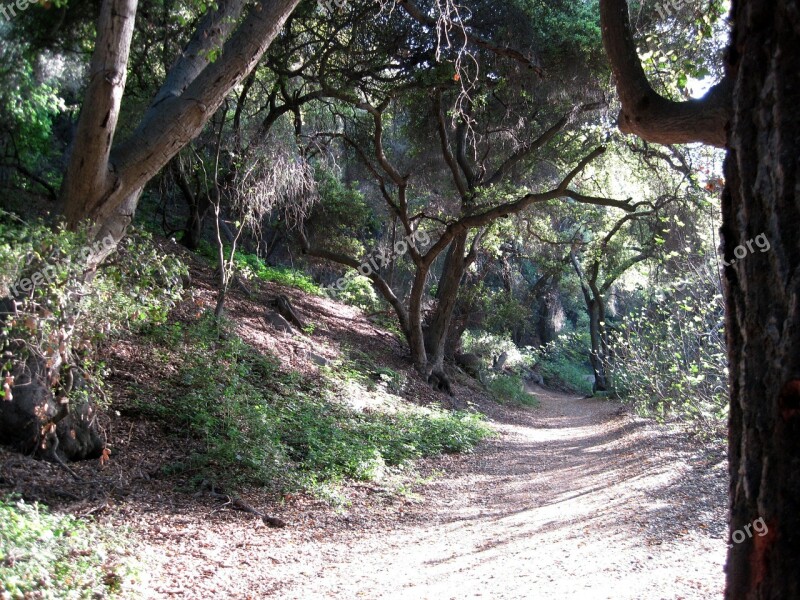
x=380 y=283
x=645 y=112
x=416 y=13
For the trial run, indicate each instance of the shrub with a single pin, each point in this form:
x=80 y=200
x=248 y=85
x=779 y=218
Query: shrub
x=563 y=363
x=358 y=291
x=256 y=424
x=43 y=555
x=491 y=345
x=57 y=314
x=670 y=356
x=252 y=266
x=510 y=389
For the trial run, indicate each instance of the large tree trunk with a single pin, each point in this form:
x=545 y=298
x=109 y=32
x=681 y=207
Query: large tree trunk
x=597 y=335
x=762 y=195
x=103 y=184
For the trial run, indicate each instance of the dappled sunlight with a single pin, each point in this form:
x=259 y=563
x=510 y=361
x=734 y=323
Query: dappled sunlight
x=567 y=507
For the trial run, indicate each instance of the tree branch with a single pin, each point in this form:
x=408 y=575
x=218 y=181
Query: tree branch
x=416 y=13
x=348 y=261
x=87 y=170
x=645 y=112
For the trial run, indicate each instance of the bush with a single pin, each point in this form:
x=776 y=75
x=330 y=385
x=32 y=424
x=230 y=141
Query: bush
x=491 y=345
x=563 y=363
x=510 y=389
x=58 y=315
x=671 y=358
x=358 y=291
x=251 y=266
x=255 y=424
x=51 y=556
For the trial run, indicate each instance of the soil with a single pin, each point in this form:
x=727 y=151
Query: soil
x=574 y=499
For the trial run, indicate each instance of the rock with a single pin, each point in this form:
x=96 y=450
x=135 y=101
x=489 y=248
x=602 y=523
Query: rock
x=470 y=362
x=286 y=310
x=534 y=377
x=278 y=322
x=500 y=361
x=318 y=360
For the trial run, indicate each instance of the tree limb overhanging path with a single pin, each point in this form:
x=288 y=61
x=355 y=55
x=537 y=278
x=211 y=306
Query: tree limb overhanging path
x=575 y=499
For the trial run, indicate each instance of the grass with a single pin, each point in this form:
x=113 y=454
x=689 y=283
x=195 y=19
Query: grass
x=252 y=423
x=564 y=374
x=43 y=555
x=250 y=265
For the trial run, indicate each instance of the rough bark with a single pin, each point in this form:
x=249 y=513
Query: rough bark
x=762 y=195
x=37 y=420
x=645 y=112
x=87 y=173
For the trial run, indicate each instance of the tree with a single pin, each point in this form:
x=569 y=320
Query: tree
x=104 y=181
x=458 y=234
x=755 y=113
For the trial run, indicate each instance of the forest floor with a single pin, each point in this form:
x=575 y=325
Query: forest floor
x=575 y=499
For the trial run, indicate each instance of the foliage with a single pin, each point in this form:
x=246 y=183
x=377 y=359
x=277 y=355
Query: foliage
x=256 y=424
x=342 y=217
x=670 y=354
x=58 y=312
x=564 y=362
x=484 y=343
x=30 y=102
x=251 y=265
x=43 y=555
x=510 y=389
x=358 y=291
x=505 y=312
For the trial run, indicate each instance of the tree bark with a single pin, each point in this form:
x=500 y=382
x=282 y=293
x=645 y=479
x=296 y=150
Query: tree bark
x=87 y=174
x=762 y=195
x=446 y=294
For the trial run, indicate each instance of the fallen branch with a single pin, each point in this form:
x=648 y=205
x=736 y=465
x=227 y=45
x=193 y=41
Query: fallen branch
x=241 y=505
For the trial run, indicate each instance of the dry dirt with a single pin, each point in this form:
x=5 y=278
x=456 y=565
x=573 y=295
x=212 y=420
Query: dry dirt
x=575 y=499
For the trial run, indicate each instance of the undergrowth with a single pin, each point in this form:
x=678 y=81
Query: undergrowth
x=43 y=555
x=563 y=363
x=510 y=389
x=252 y=423
x=251 y=266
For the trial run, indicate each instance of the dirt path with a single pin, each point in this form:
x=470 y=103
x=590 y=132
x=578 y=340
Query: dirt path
x=572 y=500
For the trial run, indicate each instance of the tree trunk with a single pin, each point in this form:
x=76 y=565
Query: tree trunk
x=646 y=113
x=762 y=195
x=104 y=185
x=446 y=294
x=596 y=334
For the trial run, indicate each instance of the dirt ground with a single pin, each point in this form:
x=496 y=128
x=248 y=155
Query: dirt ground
x=575 y=499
